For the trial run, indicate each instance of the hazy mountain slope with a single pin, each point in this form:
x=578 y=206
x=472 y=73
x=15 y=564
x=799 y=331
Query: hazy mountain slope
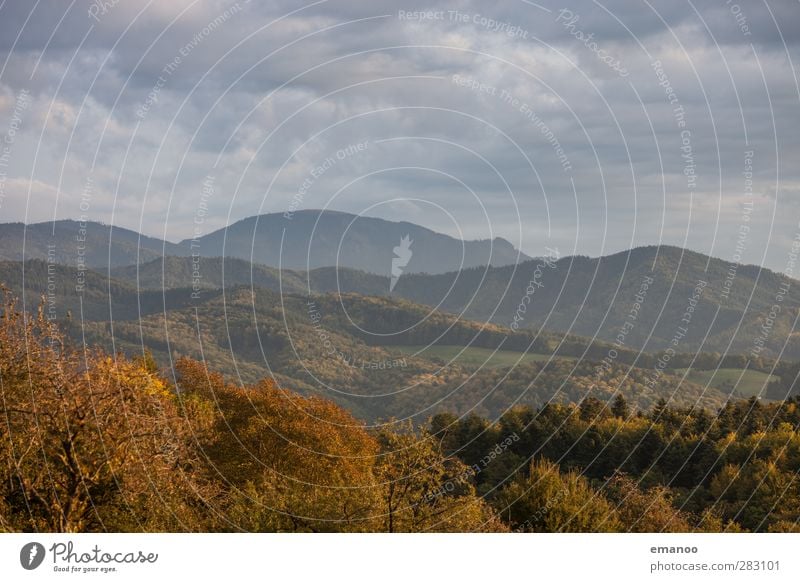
x=313 y=238
x=86 y=295
x=592 y=297
x=212 y=272
x=329 y=346
x=69 y=242
x=579 y=295
x=338 y=345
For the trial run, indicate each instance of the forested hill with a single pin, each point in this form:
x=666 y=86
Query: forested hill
x=77 y=244
x=577 y=295
x=217 y=272
x=721 y=306
x=728 y=304
x=366 y=353
x=308 y=239
x=184 y=449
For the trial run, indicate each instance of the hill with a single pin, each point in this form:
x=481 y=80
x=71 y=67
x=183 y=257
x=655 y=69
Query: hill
x=85 y=295
x=675 y=294
x=310 y=239
x=74 y=243
x=643 y=299
x=186 y=450
x=345 y=346
x=216 y=273
x=649 y=298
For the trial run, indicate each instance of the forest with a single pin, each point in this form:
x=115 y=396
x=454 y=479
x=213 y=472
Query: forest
x=96 y=441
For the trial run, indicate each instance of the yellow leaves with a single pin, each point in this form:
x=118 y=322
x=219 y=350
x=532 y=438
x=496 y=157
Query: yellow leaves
x=305 y=457
x=100 y=436
x=421 y=490
x=549 y=501
x=157 y=387
x=727 y=440
x=723 y=480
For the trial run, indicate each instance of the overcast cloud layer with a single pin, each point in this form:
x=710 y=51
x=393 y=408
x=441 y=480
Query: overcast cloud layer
x=587 y=126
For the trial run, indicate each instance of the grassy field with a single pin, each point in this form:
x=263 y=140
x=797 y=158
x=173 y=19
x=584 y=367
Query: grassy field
x=473 y=357
x=750 y=384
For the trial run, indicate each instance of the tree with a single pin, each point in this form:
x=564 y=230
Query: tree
x=759 y=495
x=289 y=463
x=645 y=511
x=620 y=408
x=90 y=442
x=424 y=491
x=549 y=501
x=592 y=409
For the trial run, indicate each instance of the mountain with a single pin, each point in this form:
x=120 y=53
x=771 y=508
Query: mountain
x=85 y=295
x=681 y=299
x=314 y=238
x=88 y=244
x=216 y=273
x=311 y=239
x=365 y=352
x=345 y=348
x=591 y=297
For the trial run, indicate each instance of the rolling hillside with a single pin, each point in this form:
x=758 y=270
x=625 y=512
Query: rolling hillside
x=310 y=239
x=335 y=346
x=72 y=243
x=594 y=297
x=347 y=347
x=577 y=295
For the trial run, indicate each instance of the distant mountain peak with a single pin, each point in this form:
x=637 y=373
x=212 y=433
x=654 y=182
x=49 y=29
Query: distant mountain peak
x=314 y=238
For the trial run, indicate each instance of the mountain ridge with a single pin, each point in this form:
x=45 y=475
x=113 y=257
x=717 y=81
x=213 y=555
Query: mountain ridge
x=75 y=242
x=152 y=247
x=314 y=238
x=309 y=239
x=580 y=295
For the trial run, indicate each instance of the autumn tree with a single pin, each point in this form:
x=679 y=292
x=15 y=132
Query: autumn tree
x=89 y=441
x=645 y=511
x=288 y=463
x=620 y=408
x=547 y=500
x=425 y=491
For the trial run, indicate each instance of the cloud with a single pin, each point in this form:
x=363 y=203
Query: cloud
x=147 y=99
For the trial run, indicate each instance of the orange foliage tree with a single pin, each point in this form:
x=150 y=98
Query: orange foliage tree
x=88 y=442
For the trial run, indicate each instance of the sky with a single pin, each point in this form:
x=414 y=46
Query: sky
x=589 y=127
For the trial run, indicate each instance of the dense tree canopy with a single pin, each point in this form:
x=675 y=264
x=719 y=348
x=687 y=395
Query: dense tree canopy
x=97 y=442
